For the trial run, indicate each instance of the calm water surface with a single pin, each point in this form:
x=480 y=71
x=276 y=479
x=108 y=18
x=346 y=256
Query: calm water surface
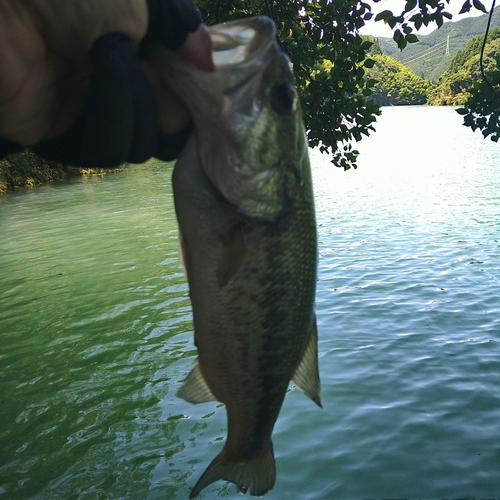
x=96 y=332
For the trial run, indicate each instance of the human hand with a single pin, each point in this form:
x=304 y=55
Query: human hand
x=74 y=91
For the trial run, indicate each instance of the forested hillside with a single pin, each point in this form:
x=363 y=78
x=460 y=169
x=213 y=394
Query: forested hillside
x=429 y=58
x=398 y=85
x=395 y=83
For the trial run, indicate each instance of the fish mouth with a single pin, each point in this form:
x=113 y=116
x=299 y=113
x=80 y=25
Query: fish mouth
x=245 y=45
x=241 y=42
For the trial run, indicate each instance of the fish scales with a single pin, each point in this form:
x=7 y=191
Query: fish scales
x=244 y=203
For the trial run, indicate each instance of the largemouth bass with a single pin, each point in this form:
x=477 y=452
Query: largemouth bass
x=244 y=203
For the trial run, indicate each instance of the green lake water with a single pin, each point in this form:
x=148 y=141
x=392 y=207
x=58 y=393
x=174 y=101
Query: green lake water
x=96 y=332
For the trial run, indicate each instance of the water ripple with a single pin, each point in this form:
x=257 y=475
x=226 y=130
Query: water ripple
x=97 y=332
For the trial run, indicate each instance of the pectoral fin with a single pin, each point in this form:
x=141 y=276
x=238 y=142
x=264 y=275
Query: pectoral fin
x=195 y=389
x=306 y=376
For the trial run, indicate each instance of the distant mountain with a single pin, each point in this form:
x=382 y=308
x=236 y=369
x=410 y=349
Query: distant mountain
x=431 y=56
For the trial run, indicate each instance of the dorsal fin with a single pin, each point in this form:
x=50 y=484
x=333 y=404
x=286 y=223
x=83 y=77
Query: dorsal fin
x=306 y=376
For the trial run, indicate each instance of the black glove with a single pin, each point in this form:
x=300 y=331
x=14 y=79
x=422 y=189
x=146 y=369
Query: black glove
x=118 y=123
x=170 y=21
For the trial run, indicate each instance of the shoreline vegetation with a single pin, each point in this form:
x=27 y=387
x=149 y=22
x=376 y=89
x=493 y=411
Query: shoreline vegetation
x=27 y=170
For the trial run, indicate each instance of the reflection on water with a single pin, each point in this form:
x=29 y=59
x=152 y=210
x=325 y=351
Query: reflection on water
x=96 y=332
x=94 y=313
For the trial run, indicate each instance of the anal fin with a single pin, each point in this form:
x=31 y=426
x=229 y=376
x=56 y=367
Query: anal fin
x=195 y=389
x=306 y=376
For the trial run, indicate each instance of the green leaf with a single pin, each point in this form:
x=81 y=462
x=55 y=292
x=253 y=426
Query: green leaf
x=397 y=35
x=466 y=7
x=369 y=63
x=411 y=38
x=410 y=5
x=392 y=22
x=479 y=6
x=462 y=111
x=399 y=38
x=384 y=15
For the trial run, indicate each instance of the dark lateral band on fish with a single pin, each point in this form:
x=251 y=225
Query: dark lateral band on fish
x=245 y=207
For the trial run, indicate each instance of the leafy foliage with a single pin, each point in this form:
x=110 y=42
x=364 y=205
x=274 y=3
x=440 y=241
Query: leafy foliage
x=333 y=96
x=415 y=14
x=482 y=107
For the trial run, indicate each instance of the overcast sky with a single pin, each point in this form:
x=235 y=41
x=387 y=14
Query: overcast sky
x=381 y=29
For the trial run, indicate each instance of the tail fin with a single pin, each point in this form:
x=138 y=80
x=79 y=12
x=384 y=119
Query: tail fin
x=257 y=474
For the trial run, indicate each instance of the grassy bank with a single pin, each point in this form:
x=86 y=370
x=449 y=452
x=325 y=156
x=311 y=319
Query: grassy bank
x=26 y=169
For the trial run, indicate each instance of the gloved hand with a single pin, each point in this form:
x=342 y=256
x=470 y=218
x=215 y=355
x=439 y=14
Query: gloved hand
x=122 y=116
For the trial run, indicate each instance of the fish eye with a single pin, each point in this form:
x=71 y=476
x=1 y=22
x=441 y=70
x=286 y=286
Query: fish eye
x=283 y=96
